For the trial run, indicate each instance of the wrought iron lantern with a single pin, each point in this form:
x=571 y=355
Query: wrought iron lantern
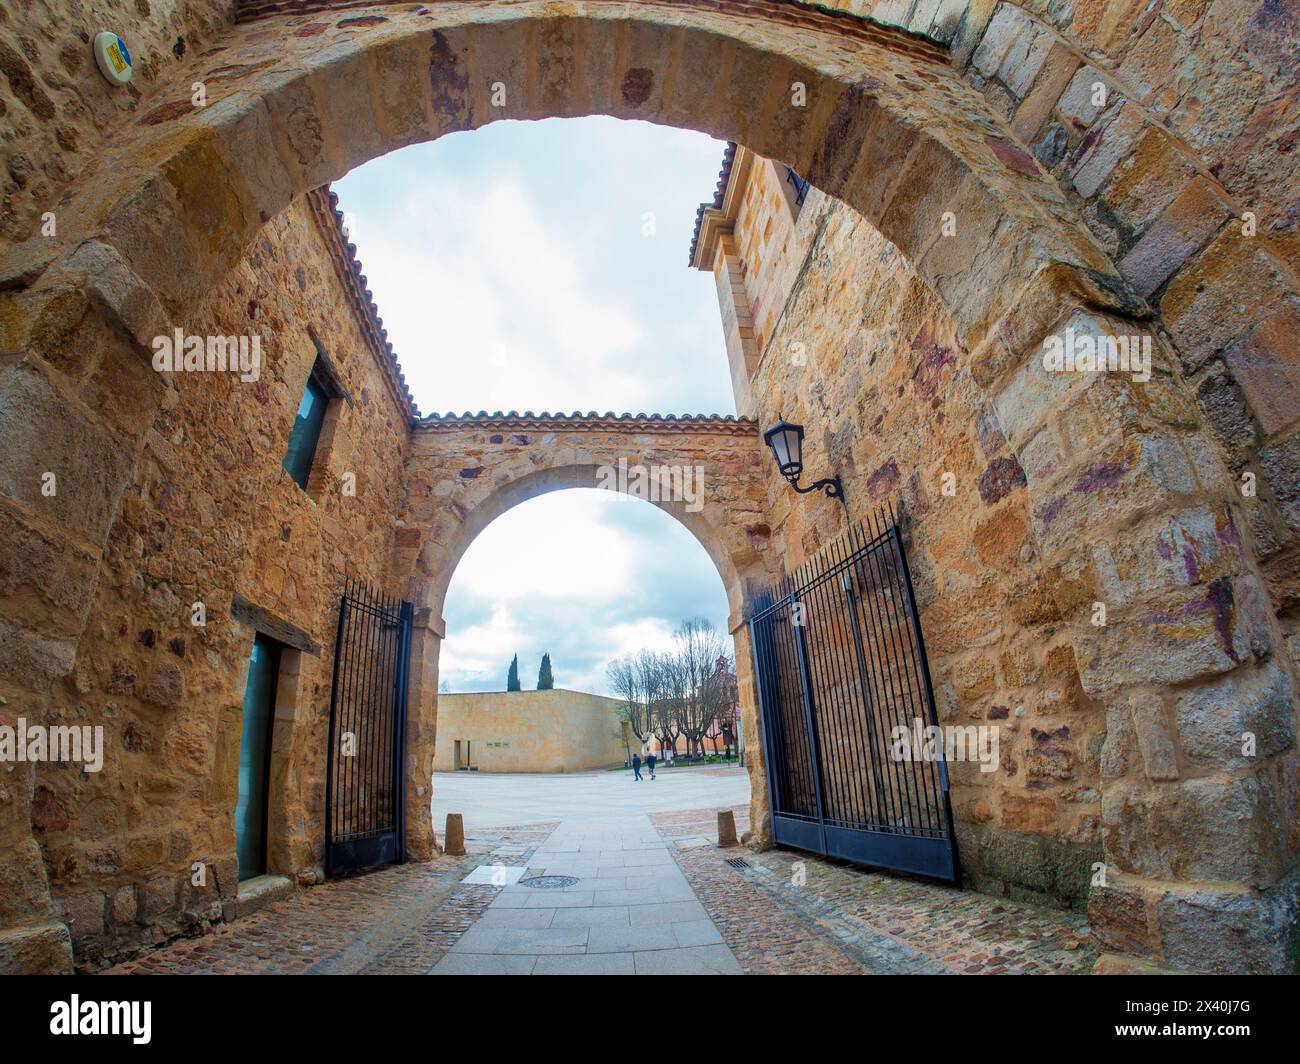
x=786 y=441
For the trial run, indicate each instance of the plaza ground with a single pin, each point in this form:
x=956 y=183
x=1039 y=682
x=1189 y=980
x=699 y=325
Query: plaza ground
x=648 y=891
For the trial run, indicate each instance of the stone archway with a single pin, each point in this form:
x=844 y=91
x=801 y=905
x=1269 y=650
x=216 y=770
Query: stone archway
x=464 y=472
x=871 y=115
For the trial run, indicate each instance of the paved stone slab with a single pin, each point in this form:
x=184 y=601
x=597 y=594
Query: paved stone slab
x=587 y=964
x=495 y=875
x=592 y=917
x=633 y=902
x=693 y=960
x=522 y=941
x=696 y=932
x=667 y=912
x=614 y=939
x=516 y=918
x=483 y=964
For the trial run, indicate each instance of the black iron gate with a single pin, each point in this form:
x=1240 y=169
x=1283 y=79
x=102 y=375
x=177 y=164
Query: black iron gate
x=844 y=693
x=365 y=783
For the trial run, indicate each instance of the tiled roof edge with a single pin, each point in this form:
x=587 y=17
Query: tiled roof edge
x=640 y=422
x=719 y=194
x=324 y=206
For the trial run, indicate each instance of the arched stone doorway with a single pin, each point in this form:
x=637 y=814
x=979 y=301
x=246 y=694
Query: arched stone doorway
x=463 y=473
x=870 y=115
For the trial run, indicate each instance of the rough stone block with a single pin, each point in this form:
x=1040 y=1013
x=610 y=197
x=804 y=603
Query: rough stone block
x=41 y=950
x=1184 y=226
x=1103 y=148
x=1057 y=71
x=1223 y=292
x=1267 y=367
x=1280 y=464
x=1117 y=915
x=1159 y=758
x=1174 y=637
x=1005 y=28
x=1220 y=828
x=1243 y=932
x=44 y=433
x=1214 y=721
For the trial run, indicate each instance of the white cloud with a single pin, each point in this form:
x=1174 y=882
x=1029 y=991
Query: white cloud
x=511 y=270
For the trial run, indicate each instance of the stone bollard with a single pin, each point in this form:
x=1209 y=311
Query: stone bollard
x=454 y=837
x=726 y=827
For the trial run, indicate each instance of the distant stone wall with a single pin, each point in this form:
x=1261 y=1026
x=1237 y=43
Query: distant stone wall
x=529 y=731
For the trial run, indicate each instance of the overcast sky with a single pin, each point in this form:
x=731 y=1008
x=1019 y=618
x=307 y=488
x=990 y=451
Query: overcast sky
x=543 y=266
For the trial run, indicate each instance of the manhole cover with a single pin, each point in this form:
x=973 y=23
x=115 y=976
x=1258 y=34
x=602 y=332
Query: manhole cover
x=737 y=862
x=548 y=882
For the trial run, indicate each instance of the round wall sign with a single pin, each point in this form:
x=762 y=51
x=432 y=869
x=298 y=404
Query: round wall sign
x=113 y=58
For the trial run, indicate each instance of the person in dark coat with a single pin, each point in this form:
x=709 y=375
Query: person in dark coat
x=650 y=763
x=636 y=767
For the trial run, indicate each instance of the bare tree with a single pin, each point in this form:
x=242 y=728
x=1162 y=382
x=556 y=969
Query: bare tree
x=697 y=649
x=682 y=693
x=664 y=697
x=722 y=696
x=625 y=678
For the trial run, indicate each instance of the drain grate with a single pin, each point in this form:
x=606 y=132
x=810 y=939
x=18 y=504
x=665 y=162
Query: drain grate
x=549 y=882
x=737 y=862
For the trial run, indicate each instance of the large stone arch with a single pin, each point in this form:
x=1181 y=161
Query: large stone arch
x=462 y=473
x=885 y=125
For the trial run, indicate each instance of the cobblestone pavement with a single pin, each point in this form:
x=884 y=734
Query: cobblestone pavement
x=785 y=913
x=398 y=920
x=842 y=920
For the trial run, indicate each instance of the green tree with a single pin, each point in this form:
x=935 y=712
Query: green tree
x=545 y=681
x=512 y=677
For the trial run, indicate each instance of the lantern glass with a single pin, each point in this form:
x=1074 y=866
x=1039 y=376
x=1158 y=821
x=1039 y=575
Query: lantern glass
x=786 y=441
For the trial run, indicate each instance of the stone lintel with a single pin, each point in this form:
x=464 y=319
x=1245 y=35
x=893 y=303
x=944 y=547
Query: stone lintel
x=270 y=624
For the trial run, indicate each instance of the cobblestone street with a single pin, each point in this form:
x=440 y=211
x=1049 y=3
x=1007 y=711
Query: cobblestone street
x=844 y=920
x=653 y=893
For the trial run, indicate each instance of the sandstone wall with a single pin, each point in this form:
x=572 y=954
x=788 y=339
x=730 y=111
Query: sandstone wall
x=865 y=358
x=212 y=514
x=530 y=731
x=56 y=109
x=1198 y=130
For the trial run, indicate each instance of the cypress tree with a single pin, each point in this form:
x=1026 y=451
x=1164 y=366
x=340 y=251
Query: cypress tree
x=545 y=681
x=512 y=677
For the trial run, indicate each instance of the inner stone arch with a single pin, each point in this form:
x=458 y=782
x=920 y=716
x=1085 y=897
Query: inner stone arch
x=463 y=473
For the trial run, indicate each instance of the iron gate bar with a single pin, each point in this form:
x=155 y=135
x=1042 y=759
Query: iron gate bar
x=814 y=747
x=918 y=647
x=833 y=689
x=365 y=790
x=882 y=808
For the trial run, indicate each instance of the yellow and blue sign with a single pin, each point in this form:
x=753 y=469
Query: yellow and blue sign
x=113 y=57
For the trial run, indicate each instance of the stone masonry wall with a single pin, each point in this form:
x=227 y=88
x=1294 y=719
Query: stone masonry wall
x=211 y=514
x=865 y=358
x=531 y=731
x=55 y=106
x=1192 y=144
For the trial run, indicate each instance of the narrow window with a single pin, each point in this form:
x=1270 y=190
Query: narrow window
x=306 y=430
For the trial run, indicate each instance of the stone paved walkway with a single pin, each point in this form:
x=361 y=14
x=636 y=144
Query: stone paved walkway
x=628 y=911
x=653 y=894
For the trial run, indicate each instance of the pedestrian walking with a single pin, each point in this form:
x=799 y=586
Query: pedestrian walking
x=650 y=764
x=636 y=767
